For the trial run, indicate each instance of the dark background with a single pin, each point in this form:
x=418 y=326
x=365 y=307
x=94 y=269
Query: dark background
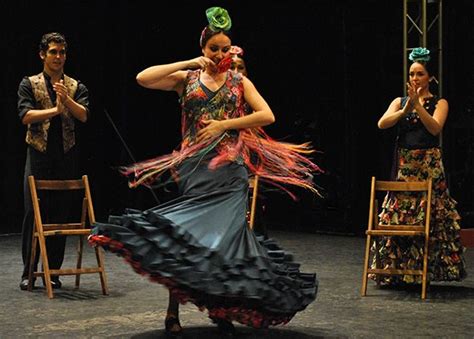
x=328 y=69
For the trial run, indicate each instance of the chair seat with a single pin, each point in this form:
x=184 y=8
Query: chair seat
x=394 y=233
x=66 y=232
x=72 y=225
x=420 y=228
x=71 y=271
x=393 y=271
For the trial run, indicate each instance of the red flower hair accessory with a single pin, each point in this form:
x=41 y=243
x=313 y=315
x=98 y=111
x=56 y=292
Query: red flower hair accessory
x=236 y=50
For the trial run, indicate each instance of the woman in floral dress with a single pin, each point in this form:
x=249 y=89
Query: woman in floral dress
x=419 y=119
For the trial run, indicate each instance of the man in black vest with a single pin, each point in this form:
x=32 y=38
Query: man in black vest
x=50 y=104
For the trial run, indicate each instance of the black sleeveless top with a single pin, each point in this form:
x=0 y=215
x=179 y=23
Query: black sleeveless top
x=412 y=134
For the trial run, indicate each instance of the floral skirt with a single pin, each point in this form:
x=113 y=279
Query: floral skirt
x=446 y=261
x=200 y=247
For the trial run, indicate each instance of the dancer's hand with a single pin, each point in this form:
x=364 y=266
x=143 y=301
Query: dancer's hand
x=407 y=108
x=413 y=93
x=201 y=62
x=213 y=129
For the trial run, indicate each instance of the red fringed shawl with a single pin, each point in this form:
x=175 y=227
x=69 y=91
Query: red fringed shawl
x=275 y=162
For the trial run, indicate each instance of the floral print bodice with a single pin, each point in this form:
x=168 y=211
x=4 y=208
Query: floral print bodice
x=199 y=104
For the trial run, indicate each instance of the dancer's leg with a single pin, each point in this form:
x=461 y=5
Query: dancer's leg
x=172 y=324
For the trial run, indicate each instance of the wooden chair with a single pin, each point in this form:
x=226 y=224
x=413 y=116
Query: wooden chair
x=253 y=185
x=42 y=231
x=376 y=229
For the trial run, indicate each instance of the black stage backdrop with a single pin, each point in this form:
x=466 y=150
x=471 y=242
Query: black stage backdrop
x=328 y=69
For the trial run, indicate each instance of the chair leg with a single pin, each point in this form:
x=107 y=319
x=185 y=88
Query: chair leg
x=103 y=277
x=366 y=266
x=46 y=273
x=34 y=242
x=80 y=248
x=377 y=262
x=80 y=243
x=425 y=269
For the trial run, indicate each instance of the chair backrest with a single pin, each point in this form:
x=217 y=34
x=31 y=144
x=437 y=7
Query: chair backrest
x=387 y=187
x=253 y=185
x=63 y=185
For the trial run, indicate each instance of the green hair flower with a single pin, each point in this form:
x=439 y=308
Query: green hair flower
x=419 y=54
x=218 y=19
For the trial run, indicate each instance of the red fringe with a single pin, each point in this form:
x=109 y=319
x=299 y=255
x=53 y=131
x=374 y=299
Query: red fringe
x=277 y=163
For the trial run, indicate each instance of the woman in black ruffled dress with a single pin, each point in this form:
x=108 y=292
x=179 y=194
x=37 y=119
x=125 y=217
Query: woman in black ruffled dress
x=199 y=245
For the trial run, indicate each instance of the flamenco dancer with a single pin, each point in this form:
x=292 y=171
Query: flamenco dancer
x=198 y=245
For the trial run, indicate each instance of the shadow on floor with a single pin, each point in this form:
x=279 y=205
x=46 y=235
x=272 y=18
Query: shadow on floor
x=433 y=293
x=445 y=292
x=70 y=293
x=242 y=332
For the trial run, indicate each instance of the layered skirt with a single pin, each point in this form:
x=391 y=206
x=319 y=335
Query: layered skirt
x=200 y=247
x=446 y=262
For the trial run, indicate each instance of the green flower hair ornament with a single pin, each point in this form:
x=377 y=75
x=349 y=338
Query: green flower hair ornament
x=419 y=54
x=218 y=19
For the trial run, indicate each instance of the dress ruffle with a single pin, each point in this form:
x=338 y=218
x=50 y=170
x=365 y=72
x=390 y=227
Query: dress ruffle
x=446 y=259
x=200 y=247
x=256 y=289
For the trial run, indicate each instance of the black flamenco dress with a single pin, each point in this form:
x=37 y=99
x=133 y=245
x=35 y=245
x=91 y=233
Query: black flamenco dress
x=199 y=245
x=418 y=156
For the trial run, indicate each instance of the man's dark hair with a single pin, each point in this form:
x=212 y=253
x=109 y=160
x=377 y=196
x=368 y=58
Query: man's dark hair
x=47 y=38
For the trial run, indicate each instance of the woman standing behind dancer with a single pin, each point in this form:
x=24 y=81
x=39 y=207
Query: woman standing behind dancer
x=238 y=63
x=420 y=118
x=199 y=245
